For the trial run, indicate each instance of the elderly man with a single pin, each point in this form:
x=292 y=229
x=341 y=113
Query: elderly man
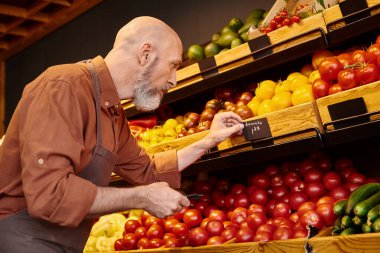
x=69 y=133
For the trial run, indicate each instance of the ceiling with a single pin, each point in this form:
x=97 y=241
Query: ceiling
x=23 y=22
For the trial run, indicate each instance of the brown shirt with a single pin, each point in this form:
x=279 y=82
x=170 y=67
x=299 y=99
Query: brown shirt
x=51 y=138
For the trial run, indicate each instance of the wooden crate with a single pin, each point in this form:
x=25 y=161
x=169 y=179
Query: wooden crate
x=370 y=93
x=285 y=122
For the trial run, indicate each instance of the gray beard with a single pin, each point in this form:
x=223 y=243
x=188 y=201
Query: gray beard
x=147 y=96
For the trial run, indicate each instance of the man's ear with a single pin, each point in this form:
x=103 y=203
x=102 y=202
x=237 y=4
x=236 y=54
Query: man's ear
x=145 y=53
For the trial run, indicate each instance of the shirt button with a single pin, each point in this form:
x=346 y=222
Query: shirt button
x=106 y=103
x=41 y=161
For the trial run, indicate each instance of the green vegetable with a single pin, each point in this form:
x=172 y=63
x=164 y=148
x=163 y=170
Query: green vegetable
x=373 y=214
x=339 y=207
x=346 y=222
x=364 y=206
x=361 y=193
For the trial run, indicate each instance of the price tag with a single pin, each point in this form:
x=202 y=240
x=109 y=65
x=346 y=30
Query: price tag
x=348 y=108
x=256 y=129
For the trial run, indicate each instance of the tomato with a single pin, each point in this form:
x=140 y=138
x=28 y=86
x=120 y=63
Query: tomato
x=300 y=233
x=228 y=234
x=251 y=189
x=314 y=189
x=378 y=40
x=242 y=200
x=368 y=74
x=209 y=209
x=357 y=178
x=283 y=233
x=167 y=236
x=140 y=233
x=296 y=199
x=144 y=216
x=276 y=180
x=340 y=192
x=213 y=104
x=271 y=170
x=201 y=206
x=239 y=215
x=290 y=178
x=229 y=106
x=335 y=88
x=297 y=186
x=281 y=210
x=238 y=188
x=378 y=61
x=117 y=245
x=353 y=186
x=347 y=79
x=169 y=224
x=307 y=164
x=331 y=180
x=325 y=211
x=269 y=228
x=325 y=200
x=329 y=68
x=312 y=175
x=320 y=56
x=312 y=218
x=259 y=196
x=294 y=217
x=279 y=191
x=303 y=94
x=171 y=243
x=262 y=237
x=255 y=208
x=143 y=243
x=372 y=53
x=254 y=220
x=216 y=240
x=224 y=93
x=347 y=171
x=246 y=97
x=214 y=227
x=131 y=225
x=285 y=198
x=154 y=220
x=244 y=235
x=155 y=231
x=180 y=229
x=324 y=163
x=270 y=206
x=219 y=201
x=217 y=215
x=129 y=241
x=229 y=201
x=207 y=115
x=179 y=215
x=343 y=162
x=320 y=88
x=265 y=90
x=155 y=243
x=183 y=241
x=344 y=58
x=223 y=185
x=358 y=56
x=260 y=180
x=306 y=206
x=198 y=236
x=243 y=111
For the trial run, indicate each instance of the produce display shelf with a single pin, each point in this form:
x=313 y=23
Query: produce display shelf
x=351 y=18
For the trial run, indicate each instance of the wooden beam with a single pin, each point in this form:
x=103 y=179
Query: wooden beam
x=2 y=97
x=4 y=45
x=59 y=2
x=60 y=18
x=25 y=13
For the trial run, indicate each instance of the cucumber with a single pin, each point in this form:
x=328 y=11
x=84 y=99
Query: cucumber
x=364 y=206
x=361 y=193
x=336 y=231
x=376 y=225
x=367 y=228
x=337 y=226
x=359 y=221
x=346 y=222
x=339 y=207
x=351 y=230
x=373 y=214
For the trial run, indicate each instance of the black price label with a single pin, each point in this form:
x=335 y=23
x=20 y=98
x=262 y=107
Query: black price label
x=256 y=129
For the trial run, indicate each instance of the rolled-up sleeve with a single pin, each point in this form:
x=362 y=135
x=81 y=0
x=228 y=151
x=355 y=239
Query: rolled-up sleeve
x=51 y=134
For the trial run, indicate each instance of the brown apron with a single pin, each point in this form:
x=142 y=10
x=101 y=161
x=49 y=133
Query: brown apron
x=22 y=233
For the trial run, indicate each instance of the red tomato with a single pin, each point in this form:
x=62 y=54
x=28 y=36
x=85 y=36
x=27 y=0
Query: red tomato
x=270 y=206
x=325 y=211
x=255 y=220
x=331 y=180
x=290 y=178
x=223 y=185
x=372 y=53
x=324 y=163
x=314 y=189
x=140 y=233
x=260 y=180
x=347 y=171
x=205 y=198
x=169 y=224
x=143 y=243
x=319 y=56
x=259 y=196
x=154 y=220
x=180 y=229
x=325 y=200
x=201 y=206
x=307 y=164
x=283 y=233
x=329 y=68
x=198 y=236
x=344 y=58
x=155 y=243
x=378 y=40
x=300 y=233
x=296 y=200
x=214 y=227
x=208 y=210
x=281 y=210
x=155 y=231
x=204 y=223
x=224 y=93
x=167 y=236
x=306 y=206
x=343 y=162
x=352 y=186
x=312 y=218
x=269 y=228
x=276 y=180
x=229 y=200
x=238 y=188
x=335 y=88
x=242 y=200
x=357 y=178
x=183 y=241
x=294 y=217
x=347 y=79
x=297 y=186
x=340 y=192
x=131 y=225
x=129 y=241
x=250 y=189
x=228 y=234
x=358 y=56
x=239 y=215
x=117 y=245
x=144 y=216
x=217 y=215
x=216 y=240
x=192 y=217
x=271 y=170
x=219 y=201
x=320 y=88
x=179 y=215
x=255 y=208
x=378 y=61
x=262 y=237
x=244 y=235
x=312 y=175
x=171 y=243
x=279 y=191
x=368 y=74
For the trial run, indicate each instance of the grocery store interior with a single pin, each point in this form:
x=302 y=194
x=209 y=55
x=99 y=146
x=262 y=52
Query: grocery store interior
x=304 y=76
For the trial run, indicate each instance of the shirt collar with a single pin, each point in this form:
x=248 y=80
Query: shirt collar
x=108 y=93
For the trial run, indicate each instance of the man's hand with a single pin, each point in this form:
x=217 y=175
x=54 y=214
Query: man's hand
x=160 y=200
x=223 y=126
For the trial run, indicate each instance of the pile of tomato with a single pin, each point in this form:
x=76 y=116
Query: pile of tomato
x=282 y=18
x=276 y=204
x=347 y=70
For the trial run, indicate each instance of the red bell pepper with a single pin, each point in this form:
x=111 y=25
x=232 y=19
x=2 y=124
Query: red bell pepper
x=147 y=122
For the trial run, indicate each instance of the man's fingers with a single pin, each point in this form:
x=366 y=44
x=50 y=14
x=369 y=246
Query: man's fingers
x=183 y=201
